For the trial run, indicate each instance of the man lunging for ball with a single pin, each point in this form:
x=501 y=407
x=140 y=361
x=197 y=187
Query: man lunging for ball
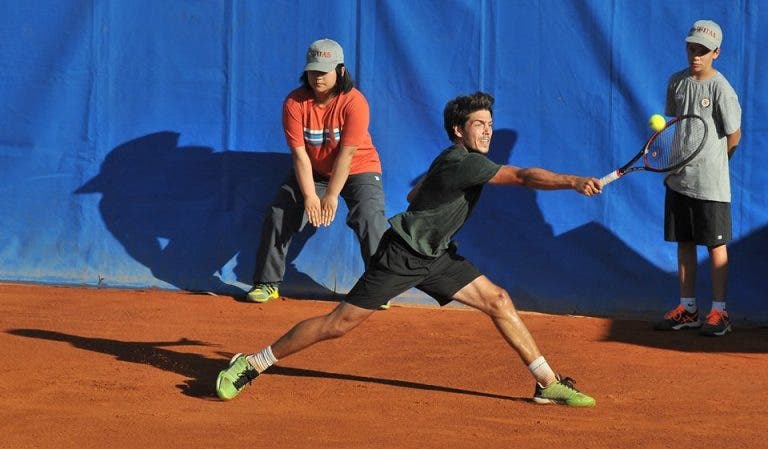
x=418 y=251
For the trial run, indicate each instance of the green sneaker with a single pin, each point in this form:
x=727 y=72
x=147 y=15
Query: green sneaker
x=233 y=379
x=262 y=293
x=562 y=392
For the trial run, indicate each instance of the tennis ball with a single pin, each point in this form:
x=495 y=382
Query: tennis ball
x=657 y=122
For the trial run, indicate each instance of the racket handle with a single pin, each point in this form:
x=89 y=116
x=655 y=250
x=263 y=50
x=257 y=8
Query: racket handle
x=610 y=177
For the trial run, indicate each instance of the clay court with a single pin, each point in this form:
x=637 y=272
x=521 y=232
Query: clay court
x=96 y=368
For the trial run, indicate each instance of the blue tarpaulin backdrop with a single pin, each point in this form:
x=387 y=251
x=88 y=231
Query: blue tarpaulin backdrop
x=141 y=140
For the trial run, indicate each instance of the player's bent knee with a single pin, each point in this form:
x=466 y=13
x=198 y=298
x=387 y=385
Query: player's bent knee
x=340 y=327
x=336 y=332
x=500 y=303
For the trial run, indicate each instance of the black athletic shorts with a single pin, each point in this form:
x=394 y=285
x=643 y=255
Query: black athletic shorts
x=689 y=219
x=396 y=267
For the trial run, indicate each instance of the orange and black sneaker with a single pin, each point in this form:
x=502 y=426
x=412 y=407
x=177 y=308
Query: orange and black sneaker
x=678 y=318
x=717 y=324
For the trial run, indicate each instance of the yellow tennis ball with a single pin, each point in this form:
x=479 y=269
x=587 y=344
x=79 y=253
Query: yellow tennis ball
x=657 y=122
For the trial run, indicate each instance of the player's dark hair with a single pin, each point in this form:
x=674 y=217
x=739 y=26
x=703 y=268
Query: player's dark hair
x=344 y=81
x=456 y=112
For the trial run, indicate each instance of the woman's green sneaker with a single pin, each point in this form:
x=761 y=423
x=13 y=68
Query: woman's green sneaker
x=562 y=392
x=232 y=380
x=262 y=293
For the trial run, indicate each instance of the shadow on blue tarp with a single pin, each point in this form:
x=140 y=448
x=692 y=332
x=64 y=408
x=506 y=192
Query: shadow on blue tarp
x=185 y=212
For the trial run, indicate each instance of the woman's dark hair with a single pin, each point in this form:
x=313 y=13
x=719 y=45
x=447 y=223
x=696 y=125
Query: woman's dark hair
x=344 y=81
x=456 y=112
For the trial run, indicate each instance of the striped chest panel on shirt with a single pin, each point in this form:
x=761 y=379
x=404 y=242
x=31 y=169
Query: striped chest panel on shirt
x=316 y=137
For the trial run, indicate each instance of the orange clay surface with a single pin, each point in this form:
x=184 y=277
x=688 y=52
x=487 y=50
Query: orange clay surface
x=103 y=368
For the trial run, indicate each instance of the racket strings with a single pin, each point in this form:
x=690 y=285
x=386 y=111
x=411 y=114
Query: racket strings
x=676 y=144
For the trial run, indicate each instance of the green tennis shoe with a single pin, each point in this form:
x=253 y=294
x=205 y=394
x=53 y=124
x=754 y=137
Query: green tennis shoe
x=562 y=392
x=262 y=293
x=232 y=380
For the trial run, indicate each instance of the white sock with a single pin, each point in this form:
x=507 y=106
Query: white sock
x=718 y=305
x=689 y=304
x=260 y=361
x=541 y=371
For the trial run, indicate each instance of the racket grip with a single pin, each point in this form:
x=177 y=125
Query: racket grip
x=609 y=178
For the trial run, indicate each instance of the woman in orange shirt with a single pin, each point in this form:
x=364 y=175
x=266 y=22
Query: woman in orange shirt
x=326 y=126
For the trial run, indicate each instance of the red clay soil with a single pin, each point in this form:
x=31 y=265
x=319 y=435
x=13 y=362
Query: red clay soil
x=103 y=368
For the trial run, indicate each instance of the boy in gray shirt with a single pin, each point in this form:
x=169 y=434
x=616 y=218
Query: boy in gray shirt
x=698 y=200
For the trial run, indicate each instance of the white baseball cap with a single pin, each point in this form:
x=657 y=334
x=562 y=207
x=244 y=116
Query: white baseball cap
x=706 y=33
x=324 y=55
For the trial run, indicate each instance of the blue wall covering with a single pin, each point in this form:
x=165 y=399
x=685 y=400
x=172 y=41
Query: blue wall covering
x=141 y=140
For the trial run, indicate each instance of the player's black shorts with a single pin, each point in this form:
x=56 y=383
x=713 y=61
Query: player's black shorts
x=689 y=219
x=396 y=268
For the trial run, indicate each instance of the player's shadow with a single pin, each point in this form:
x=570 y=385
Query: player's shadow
x=201 y=371
x=300 y=372
x=186 y=212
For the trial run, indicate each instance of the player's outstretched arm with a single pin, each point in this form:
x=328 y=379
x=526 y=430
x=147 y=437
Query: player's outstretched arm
x=541 y=179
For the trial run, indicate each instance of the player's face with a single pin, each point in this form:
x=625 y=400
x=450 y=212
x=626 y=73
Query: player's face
x=700 y=59
x=322 y=83
x=476 y=132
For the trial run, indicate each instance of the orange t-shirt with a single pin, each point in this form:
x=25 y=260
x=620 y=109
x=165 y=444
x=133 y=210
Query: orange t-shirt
x=320 y=129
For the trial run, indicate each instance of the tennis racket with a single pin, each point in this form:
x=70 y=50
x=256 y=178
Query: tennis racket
x=672 y=147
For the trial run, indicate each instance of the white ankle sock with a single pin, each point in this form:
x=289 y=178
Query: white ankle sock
x=260 y=361
x=718 y=305
x=541 y=371
x=689 y=304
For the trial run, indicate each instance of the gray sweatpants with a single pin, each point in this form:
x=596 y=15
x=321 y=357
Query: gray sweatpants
x=364 y=196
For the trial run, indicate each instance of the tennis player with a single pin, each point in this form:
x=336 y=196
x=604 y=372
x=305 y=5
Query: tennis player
x=418 y=251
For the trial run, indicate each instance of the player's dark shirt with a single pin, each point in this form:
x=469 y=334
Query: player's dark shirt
x=448 y=193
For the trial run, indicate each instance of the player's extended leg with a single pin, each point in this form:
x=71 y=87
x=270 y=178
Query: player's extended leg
x=243 y=369
x=341 y=320
x=494 y=301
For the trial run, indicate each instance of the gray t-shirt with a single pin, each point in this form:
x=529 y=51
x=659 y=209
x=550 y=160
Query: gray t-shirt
x=448 y=193
x=707 y=176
